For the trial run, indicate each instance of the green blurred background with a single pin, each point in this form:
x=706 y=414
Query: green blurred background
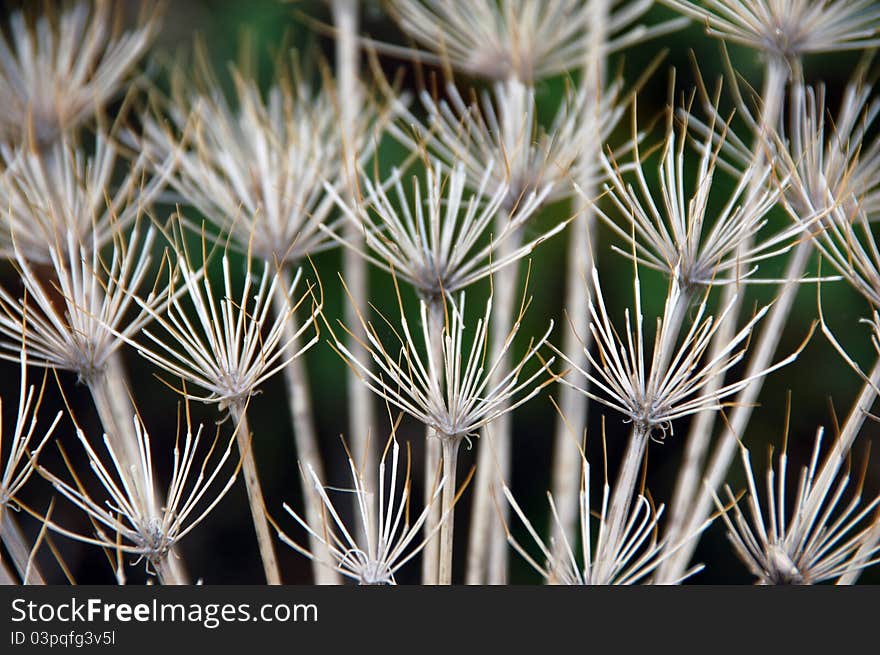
x=224 y=550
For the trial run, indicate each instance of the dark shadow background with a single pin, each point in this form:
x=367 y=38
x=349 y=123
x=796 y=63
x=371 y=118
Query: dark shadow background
x=223 y=549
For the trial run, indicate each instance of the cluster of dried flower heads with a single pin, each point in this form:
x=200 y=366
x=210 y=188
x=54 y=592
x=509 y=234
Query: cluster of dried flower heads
x=225 y=293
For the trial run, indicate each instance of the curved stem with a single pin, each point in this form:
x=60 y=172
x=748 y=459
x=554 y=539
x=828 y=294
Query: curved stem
x=725 y=450
x=621 y=500
x=255 y=495
x=306 y=440
x=688 y=489
x=16 y=545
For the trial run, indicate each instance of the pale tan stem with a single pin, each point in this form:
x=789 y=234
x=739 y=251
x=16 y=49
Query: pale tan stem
x=763 y=353
x=305 y=438
x=255 y=495
x=109 y=388
x=571 y=423
x=18 y=549
x=487 y=551
x=450 y=461
x=167 y=573
x=697 y=444
x=487 y=558
x=354 y=266
x=835 y=460
x=688 y=488
x=110 y=394
x=863 y=554
x=431 y=552
x=621 y=500
x=844 y=442
x=6 y=576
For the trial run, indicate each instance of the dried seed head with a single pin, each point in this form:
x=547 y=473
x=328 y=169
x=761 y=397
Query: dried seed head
x=677 y=381
x=451 y=390
x=528 y=160
x=519 y=39
x=372 y=556
x=788 y=28
x=57 y=71
x=443 y=243
x=145 y=526
x=629 y=560
x=257 y=166
x=832 y=163
x=235 y=342
x=76 y=315
x=679 y=230
x=814 y=540
x=44 y=194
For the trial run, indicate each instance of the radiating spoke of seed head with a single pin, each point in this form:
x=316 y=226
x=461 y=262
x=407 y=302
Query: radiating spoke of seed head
x=77 y=313
x=371 y=556
x=46 y=193
x=256 y=166
x=27 y=440
x=519 y=39
x=637 y=553
x=683 y=229
x=227 y=344
x=815 y=538
x=471 y=132
x=441 y=243
x=149 y=527
x=678 y=379
x=788 y=28
x=454 y=395
x=59 y=69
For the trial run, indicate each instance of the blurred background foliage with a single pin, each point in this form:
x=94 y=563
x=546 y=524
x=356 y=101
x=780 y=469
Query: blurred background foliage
x=223 y=549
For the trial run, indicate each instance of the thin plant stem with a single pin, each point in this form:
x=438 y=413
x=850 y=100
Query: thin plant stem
x=110 y=394
x=837 y=457
x=851 y=428
x=487 y=551
x=672 y=328
x=355 y=271
x=6 y=577
x=862 y=554
x=485 y=564
x=16 y=545
x=687 y=487
x=109 y=389
x=255 y=494
x=571 y=424
x=305 y=438
x=167 y=573
x=621 y=497
x=627 y=477
x=763 y=353
x=450 y=461
x=431 y=552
